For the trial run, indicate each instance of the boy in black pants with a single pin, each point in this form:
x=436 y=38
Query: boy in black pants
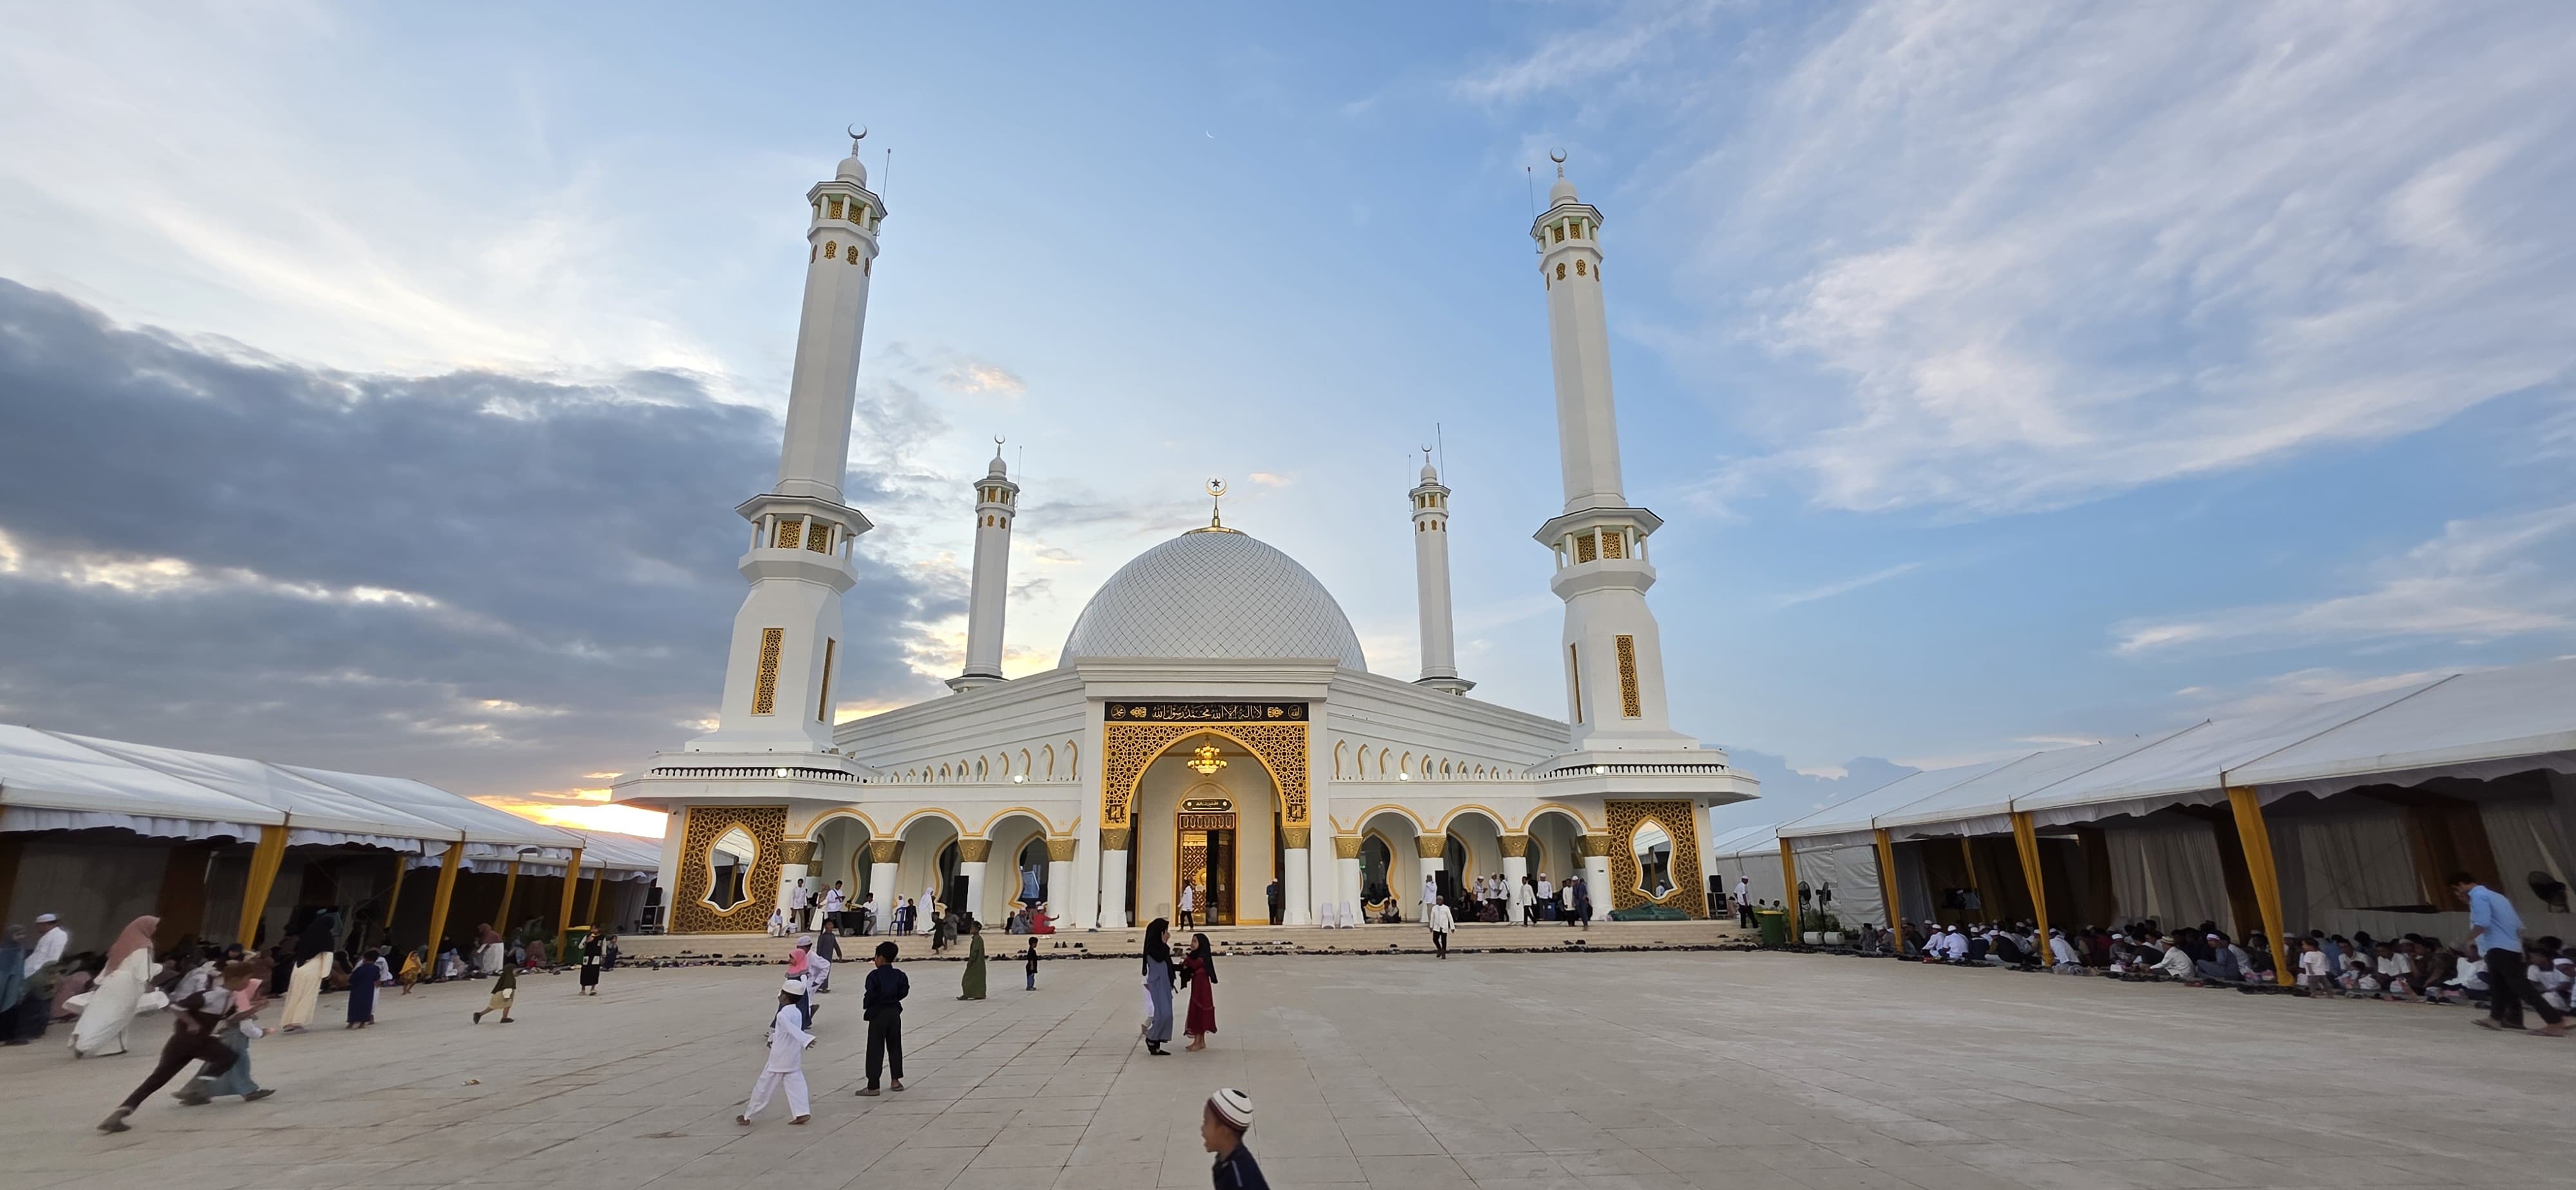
x=881 y=1004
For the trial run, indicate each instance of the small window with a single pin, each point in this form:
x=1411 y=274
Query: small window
x=1579 y=267
x=1578 y=229
x=1560 y=268
x=834 y=206
x=1613 y=545
x=1583 y=547
x=1559 y=229
x=831 y=249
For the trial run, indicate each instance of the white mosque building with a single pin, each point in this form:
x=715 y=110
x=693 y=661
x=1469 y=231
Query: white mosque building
x=1212 y=722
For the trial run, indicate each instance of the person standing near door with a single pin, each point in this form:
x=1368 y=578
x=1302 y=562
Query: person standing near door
x=1189 y=905
x=1441 y=922
x=1744 y=901
x=1273 y=895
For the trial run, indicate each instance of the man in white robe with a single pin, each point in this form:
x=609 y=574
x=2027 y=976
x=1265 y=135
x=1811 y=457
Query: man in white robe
x=48 y=946
x=786 y=1065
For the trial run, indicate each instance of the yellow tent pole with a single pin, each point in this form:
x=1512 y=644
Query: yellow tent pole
x=393 y=900
x=1789 y=889
x=2256 y=838
x=563 y=916
x=598 y=884
x=1887 y=876
x=509 y=889
x=2026 y=840
x=264 y=863
x=446 y=891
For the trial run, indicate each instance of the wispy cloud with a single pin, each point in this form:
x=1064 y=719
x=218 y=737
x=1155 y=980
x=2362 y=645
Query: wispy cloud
x=1586 y=55
x=2301 y=687
x=2480 y=580
x=1849 y=585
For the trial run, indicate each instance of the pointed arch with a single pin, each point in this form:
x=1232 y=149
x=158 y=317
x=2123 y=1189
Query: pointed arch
x=1050 y=762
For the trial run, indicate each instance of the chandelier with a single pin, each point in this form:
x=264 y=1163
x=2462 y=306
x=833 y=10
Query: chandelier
x=1207 y=761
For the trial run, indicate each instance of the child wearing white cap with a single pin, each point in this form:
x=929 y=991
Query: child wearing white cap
x=1221 y=1126
x=786 y=1066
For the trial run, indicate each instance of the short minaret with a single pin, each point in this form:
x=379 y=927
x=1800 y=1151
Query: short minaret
x=778 y=694
x=1431 y=581
x=1612 y=650
x=996 y=501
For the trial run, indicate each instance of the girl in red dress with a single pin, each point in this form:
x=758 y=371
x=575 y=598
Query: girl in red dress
x=1198 y=969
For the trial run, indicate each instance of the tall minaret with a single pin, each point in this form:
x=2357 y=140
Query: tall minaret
x=1431 y=581
x=778 y=694
x=996 y=501
x=1612 y=651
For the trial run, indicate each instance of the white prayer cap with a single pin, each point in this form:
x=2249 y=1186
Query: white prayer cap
x=793 y=987
x=803 y=942
x=1232 y=1106
x=44 y=919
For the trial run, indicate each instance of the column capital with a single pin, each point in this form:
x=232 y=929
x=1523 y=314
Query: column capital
x=1347 y=846
x=885 y=851
x=1296 y=838
x=1060 y=851
x=1115 y=838
x=973 y=851
x=1515 y=846
x=1430 y=846
x=1592 y=846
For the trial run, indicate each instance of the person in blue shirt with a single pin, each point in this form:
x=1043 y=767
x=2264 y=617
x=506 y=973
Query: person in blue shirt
x=2495 y=933
x=1222 y=1123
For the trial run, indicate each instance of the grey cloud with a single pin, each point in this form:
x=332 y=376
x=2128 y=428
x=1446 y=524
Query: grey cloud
x=577 y=540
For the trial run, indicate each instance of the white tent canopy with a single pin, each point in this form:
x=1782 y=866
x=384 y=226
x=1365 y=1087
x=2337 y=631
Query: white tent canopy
x=54 y=781
x=2478 y=725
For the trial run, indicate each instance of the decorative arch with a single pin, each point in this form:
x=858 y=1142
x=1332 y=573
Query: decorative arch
x=1449 y=820
x=853 y=813
x=1338 y=746
x=943 y=772
x=1046 y=825
x=904 y=824
x=1419 y=827
x=1575 y=816
x=1050 y=762
x=1072 y=760
x=1025 y=770
x=1133 y=747
x=979 y=768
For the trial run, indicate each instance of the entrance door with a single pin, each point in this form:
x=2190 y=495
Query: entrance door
x=1208 y=856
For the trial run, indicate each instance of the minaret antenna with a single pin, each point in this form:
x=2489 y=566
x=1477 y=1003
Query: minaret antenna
x=1443 y=444
x=885 y=181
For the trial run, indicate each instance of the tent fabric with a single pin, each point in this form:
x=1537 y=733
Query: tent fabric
x=2352 y=860
x=1853 y=819
x=2169 y=872
x=1851 y=872
x=2522 y=711
x=1984 y=804
x=15 y=819
x=39 y=770
x=309 y=806
x=476 y=822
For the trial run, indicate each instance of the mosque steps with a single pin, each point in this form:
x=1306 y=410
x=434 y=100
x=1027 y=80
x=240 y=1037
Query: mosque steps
x=1233 y=940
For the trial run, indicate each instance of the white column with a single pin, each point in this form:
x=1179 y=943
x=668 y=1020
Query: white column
x=1082 y=904
x=1294 y=904
x=1515 y=867
x=1347 y=874
x=1113 y=888
x=1059 y=888
x=1428 y=868
x=1596 y=880
x=974 y=874
x=882 y=876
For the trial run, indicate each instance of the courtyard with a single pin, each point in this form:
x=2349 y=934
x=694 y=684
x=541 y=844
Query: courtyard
x=1646 y=1071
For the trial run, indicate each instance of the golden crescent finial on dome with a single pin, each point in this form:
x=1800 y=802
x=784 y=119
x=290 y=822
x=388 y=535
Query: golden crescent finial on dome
x=1216 y=519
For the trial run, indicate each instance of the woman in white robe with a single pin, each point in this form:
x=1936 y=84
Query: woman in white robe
x=118 y=995
x=926 y=914
x=313 y=955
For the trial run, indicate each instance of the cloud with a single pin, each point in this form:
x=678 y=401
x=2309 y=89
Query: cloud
x=493 y=583
x=961 y=373
x=2021 y=258
x=1849 y=585
x=2482 y=579
x=2302 y=687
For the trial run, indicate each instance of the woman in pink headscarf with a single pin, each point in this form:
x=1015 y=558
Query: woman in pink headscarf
x=117 y=996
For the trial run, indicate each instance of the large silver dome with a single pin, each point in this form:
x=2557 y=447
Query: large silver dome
x=1213 y=593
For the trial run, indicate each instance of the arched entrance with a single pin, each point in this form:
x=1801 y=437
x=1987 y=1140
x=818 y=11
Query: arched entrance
x=1207 y=818
x=1390 y=866
x=840 y=856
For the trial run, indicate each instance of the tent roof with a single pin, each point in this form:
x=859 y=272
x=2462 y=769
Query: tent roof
x=2473 y=718
x=1995 y=794
x=620 y=853
x=2195 y=760
x=1751 y=840
x=40 y=770
x=1860 y=813
x=472 y=820
x=306 y=804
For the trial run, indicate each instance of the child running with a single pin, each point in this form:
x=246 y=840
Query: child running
x=786 y=1066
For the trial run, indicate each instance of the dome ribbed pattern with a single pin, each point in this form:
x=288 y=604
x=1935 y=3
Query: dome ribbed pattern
x=1213 y=595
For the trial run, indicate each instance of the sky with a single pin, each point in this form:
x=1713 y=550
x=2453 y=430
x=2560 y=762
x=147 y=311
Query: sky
x=376 y=382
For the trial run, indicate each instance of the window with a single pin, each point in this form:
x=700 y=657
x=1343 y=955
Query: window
x=834 y=205
x=1579 y=267
x=831 y=249
x=1560 y=269
x=791 y=534
x=764 y=685
x=1629 y=706
x=1578 y=229
x=1613 y=544
x=1574 y=678
x=818 y=538
x=823 y=704
x=1583 y=547
x=1559 y=229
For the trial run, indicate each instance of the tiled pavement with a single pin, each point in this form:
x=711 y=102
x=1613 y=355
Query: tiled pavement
x=1506 y=1072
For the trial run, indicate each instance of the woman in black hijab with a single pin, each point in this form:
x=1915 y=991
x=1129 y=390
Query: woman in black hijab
x=1158 y=988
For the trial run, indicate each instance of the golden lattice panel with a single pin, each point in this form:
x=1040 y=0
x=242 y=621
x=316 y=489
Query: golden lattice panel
x=1130 y=747
x=690 y=912
x=1690 y=892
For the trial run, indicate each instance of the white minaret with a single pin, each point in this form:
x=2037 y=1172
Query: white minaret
x=996 y=501
x=1431 y=582
x=1612 y=651
x=778 y=694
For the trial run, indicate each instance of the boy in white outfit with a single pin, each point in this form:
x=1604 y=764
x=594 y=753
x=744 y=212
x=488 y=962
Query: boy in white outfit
x=786 y=1067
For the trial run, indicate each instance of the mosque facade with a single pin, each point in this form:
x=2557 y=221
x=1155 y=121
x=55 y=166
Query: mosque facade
x=1212 y=722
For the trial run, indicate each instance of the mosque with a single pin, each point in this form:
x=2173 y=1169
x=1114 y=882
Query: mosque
x=1211 y=724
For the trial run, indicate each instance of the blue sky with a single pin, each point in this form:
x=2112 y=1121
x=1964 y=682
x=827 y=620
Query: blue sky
x=2005 y=374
